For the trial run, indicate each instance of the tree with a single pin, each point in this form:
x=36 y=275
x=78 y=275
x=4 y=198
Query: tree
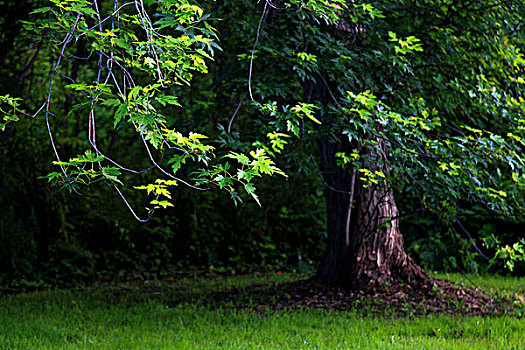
x=396 y=96
x=405 y=103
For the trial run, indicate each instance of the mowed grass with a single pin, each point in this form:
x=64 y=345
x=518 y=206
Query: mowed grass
x=103 y=319
x=488 y=283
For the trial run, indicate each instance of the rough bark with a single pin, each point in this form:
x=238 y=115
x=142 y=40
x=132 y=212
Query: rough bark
x=368 y=250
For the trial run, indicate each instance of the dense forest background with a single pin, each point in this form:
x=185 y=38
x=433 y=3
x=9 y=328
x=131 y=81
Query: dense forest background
x=51 y=236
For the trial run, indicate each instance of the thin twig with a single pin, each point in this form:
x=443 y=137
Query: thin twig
x=130 y=208
x=253 y=50
x=237 y=110
x=471 y=240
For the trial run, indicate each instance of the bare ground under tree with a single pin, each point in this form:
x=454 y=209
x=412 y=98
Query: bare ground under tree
x=429 y=297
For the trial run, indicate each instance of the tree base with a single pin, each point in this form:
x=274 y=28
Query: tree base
x=371 y=278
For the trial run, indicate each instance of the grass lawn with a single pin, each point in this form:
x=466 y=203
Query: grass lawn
x=138 y=317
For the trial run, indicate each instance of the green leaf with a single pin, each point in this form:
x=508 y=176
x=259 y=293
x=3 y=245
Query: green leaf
x=154 y=138
x=41 y=10
x=163 y=204
x=177 y=161
x=241 y=158
x=168 y=99
x=120 y=113
x=250 y=189
x=111 y=174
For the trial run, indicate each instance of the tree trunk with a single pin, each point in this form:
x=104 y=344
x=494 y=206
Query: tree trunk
x=365 y=247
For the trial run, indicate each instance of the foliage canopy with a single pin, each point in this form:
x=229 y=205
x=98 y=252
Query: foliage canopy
x=430 y=94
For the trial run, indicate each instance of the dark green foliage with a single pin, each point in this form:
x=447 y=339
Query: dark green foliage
x=450 y=116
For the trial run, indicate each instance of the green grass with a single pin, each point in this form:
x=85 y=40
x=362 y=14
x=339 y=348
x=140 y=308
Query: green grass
x=489 y=283
x=105 y=319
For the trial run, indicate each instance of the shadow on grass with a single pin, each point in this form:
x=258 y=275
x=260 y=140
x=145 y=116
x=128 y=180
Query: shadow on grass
x=268 y=293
